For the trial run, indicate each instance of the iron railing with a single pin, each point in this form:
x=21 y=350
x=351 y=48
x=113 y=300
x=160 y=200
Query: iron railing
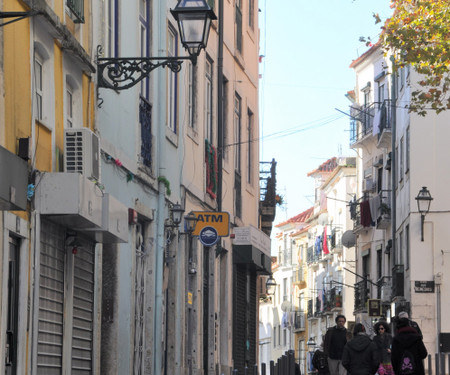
x=361 y=295
x=77 y=9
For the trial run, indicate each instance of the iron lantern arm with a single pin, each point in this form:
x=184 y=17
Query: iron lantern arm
x=121 y=73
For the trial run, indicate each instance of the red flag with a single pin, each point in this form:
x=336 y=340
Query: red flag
x=325 y=242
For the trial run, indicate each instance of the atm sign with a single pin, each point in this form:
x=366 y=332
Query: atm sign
x=220 y=221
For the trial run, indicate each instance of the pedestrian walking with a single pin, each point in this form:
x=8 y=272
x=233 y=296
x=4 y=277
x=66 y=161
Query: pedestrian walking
x=360 y=356
x=335 y=340
x=411 y=323
x=383 y=341
x=408 y=350
x=320 y=361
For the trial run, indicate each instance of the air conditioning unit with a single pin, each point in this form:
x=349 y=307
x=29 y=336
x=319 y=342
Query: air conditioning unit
x=82 y=152
x=368 y=185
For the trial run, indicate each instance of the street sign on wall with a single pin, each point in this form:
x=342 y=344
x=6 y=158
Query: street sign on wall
x=220 y=221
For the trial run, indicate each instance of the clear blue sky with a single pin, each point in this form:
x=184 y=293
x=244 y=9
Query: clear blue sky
x=308 y=47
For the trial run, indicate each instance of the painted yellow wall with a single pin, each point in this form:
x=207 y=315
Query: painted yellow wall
x=17 y=78
x=88 y=102
x=43 y=148
x=59 y=97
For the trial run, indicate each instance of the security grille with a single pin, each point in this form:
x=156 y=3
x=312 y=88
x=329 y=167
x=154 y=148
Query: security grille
x=83 y=307
x=51 y=300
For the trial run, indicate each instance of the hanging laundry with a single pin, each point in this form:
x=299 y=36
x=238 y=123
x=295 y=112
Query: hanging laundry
x=366 y=217
x=325 y=241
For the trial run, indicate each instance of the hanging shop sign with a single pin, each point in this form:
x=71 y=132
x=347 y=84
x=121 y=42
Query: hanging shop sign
x=220 y=221
x=374 y=307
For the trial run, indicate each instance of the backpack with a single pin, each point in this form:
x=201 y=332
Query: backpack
x=321 y=361
x=407 y=363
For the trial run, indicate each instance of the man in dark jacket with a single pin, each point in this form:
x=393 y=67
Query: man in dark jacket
x=360 y=355
x=335 y=340
x=411 y=323
x=408 y=350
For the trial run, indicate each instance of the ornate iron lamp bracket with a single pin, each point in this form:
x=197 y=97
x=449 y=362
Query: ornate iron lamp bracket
x=124 y=72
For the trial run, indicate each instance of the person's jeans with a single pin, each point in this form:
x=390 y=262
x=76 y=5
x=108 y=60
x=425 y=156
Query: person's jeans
x=335 y=367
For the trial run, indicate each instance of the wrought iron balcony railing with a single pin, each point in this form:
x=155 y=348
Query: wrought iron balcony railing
x=384 y=291
x=299 y=321
x=362 y=121
x=310 y=312
x=361 y=295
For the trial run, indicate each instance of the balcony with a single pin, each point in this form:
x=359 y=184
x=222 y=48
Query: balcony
x=384 y=291
x=361 y=124
x=385 y=125
x=384 y=217
x=299 y=321
x=319 y=308
x=299 y=278
x=310 y=313
x=398 y=281
x=333 y=301
x=361 y=295
x=311 y=256
x=267 y=193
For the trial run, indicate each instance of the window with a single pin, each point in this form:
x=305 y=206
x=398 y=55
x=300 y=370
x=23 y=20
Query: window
x=251 y=16
x=144 y=38
x=191 y=95
x=112 y=25
x=239 y=25
x=208 y=100
x=172 y=83
x=401 y=256
x=76 y=9
x=274 y=337
x=38 y=75
x=250 y=148
x=379 y=263
x=407 y=151
x=407 y=249
x=401 y=159
x=69 y=106
x=237 y=133
x=145 y=119
x=380 y=93
x=225 y=147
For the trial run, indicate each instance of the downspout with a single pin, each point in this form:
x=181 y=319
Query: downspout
x=220 y=141
x=158 y=256
x=393 y=165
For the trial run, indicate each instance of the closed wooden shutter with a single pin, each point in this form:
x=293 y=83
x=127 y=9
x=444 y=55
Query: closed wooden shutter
x=51 y=300
x=83 y=308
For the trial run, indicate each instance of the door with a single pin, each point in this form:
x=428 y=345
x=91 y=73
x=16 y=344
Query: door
x=13 y=307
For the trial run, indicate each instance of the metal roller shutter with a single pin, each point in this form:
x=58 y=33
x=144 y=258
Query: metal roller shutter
x=83 y=307
x=51 y=300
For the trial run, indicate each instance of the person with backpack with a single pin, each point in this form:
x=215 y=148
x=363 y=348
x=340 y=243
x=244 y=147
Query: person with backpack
x=360 y=355
x=412 y=323
x=320 y=362
x=408 y=350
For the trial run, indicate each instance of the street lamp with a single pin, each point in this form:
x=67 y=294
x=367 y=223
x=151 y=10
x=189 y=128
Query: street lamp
x=190 y=222
x=423 y=204
x=270 y=286
x=176 y=212
x=194 y=21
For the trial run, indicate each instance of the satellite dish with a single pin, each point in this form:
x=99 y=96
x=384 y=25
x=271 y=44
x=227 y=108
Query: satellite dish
x=349 y=239
x=323 y=219
x=286 y=306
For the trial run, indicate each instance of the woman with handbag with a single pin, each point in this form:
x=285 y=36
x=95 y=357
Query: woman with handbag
x=383 y=340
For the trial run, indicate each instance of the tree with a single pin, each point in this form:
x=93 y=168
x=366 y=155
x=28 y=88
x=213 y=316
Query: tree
x=418 y=35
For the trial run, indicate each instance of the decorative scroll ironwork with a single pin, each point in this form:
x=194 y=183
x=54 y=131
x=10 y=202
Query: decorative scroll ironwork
x=122 y=73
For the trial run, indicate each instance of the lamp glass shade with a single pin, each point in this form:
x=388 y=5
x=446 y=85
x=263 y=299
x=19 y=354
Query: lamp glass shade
x=194 y=21
x=270 y=286
x=177 y=212
x=190 y=222
x=424 y=200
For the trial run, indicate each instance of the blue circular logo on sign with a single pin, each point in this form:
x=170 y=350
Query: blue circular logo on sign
x=208 y=236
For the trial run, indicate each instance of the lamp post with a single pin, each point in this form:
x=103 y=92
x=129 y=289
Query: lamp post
x=194 y=21
x=423 y=204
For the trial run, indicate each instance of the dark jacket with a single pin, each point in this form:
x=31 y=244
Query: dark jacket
x=335 y=340
x=319 y=360
x=383 y=343
x=360 y=356
x=407 y=338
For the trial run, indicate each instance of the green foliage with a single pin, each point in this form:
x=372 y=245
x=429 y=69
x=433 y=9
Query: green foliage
x=418 y=35
x=166 y=183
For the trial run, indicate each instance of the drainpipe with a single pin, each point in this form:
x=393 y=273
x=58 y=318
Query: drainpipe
x=158 y=256
x=393 y=163
x=220 y=142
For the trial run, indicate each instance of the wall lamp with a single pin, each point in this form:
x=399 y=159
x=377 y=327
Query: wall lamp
x=190 y=222
x=311 y=343
x=270 y=286
x=175 y=214
x=194 y=21
x=423 y=204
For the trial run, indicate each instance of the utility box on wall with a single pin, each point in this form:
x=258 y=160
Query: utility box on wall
x=13 y=181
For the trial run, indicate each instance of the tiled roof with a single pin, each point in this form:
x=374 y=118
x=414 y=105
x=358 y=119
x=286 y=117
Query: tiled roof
x=300 y=218
x=329 y=166
x=366 y=54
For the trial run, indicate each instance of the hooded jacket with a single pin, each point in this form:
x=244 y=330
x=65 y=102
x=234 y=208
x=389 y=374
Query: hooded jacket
x=407 y=338
x=360 y=356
